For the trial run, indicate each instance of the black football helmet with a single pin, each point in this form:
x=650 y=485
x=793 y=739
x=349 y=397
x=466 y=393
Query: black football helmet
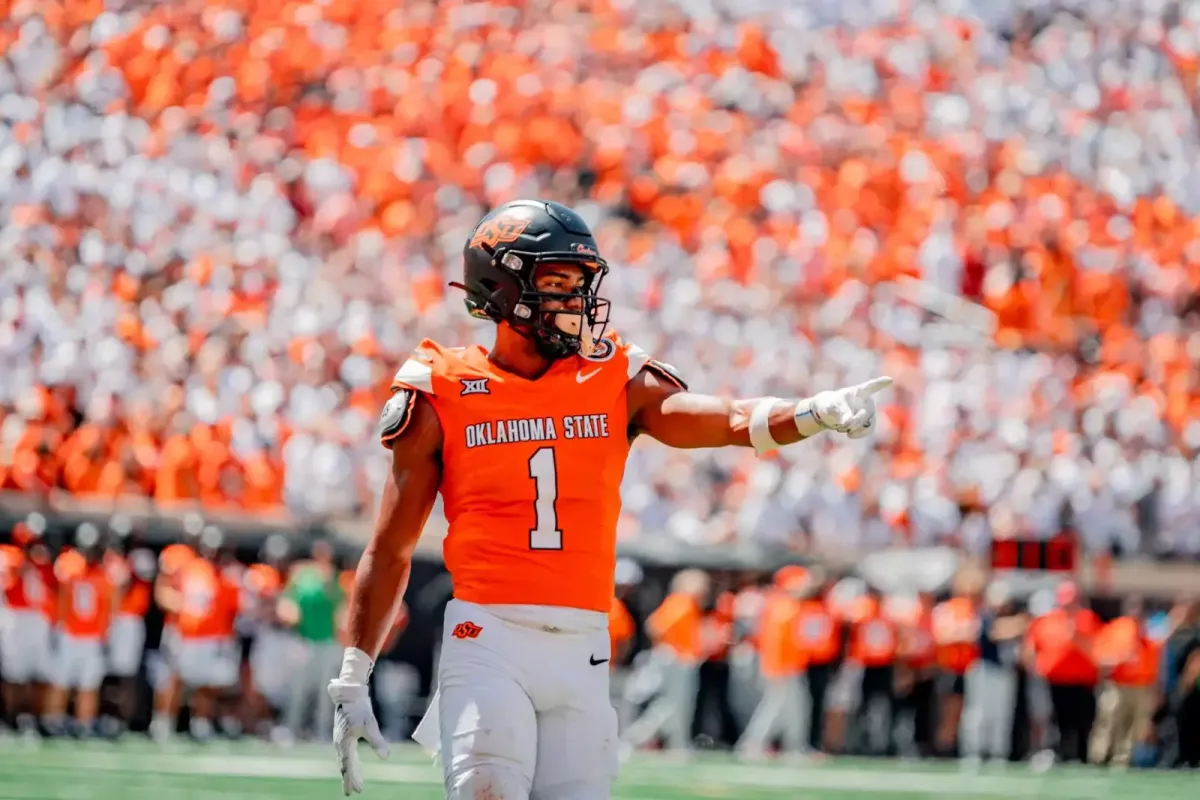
x=499 y=262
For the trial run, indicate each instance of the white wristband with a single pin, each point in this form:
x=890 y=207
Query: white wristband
x=760 y=426
x=807 y=422
x=356 y=667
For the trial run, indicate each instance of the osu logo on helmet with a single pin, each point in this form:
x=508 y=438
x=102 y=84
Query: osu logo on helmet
x=500 y=230
x=466 y=630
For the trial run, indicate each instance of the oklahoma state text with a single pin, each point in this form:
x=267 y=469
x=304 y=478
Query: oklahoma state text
x=537 y=429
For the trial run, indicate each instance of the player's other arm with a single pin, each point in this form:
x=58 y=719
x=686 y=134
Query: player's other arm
x=661 y=407
x=408 y=496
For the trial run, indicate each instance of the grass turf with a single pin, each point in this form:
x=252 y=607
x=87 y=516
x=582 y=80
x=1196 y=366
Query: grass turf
x=251 y=770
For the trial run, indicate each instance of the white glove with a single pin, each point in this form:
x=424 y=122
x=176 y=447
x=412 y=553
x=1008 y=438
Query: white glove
x=850 y=411
x=353 y=719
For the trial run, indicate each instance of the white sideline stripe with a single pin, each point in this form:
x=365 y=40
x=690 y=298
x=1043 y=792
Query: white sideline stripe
x=872 y=782
x=645 y=775
x=233 y=766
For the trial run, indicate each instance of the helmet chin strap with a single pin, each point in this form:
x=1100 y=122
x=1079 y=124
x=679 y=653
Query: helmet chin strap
x=566 y=320
x=568 y=323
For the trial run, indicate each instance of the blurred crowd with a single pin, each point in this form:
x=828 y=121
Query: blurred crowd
x=227 y=223
x=234 y=647
x=100 y=635
x=802 y=665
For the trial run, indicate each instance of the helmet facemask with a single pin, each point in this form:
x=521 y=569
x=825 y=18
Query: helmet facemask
x=507 y=264
x=575 y=320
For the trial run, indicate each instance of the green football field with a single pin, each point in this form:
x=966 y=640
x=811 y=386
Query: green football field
x=255 y=771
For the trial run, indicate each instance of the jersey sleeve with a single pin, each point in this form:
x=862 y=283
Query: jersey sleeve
x=638 y=360
x=414 y=377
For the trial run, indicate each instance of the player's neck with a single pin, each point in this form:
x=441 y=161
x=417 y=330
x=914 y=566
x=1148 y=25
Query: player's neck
x=518 y=357
x=529 y=367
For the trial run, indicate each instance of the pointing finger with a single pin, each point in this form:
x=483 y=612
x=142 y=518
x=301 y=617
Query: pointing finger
x=872 y=386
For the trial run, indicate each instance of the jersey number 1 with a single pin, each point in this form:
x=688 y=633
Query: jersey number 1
x=545 y=534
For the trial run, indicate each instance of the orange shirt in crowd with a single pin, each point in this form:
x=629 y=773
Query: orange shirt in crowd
x=31 y=585
x=1061 y=643
x=263 y=584
x=748 y=608
x=916 y=645
x=68 y=564
x=956 y=634
x=818 y=632
x=173 y=558
x=346 y=581
x=620 y=628
x=716 y=629
x=1135 y=656
x=779 y=652
x=676 y=624
x=135 y=599
x=171 y=562
x=133 y=592
x=11 y=561
x=208 y=602
x=85 y=596
x=874 y=638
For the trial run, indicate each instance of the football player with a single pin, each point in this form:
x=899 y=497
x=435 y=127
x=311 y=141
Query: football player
x=30 y=602
x=131 y=569
x=205 y=600
x=527 y=444
x=167 y=687
x=86 y=597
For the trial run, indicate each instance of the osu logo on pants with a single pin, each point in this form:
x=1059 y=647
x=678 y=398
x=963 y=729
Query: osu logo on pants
x=466 y=630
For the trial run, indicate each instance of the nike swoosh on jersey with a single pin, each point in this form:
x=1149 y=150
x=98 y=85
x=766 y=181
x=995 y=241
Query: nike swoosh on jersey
x=580 y=377
x=596 y=662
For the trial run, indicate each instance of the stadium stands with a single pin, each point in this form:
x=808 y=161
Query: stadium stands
x=228 y=221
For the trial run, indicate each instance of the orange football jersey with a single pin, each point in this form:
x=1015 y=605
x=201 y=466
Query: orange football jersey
x=209 y=601
x=173 y=558
x=11 y=561
x=28 y=585
x=531 y=470
x=263 y=581
x=88 y=594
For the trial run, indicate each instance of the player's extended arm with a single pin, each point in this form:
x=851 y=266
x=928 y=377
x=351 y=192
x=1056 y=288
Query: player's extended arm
x=408 y=497
x=678 y=418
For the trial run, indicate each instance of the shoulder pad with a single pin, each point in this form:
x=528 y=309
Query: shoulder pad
x=635 y=356
x=418 y=371
x=638 y=359
x=665 y=370
x=395 y=417
x=415 y=374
